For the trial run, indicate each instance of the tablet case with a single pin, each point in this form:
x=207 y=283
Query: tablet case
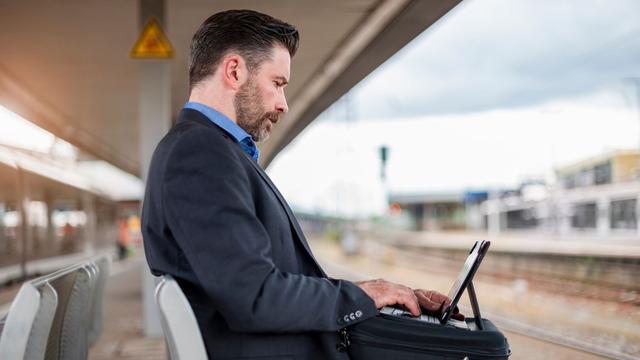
x=388 y=337
x=395 y=338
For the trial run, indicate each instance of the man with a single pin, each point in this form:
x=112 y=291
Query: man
x=213 y=219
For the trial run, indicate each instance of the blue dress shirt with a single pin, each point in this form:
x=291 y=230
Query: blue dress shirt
x=242 y=137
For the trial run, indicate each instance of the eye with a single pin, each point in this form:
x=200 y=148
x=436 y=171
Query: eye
x=280 y=83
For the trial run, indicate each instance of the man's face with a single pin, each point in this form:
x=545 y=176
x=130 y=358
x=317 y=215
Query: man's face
x=260 y=101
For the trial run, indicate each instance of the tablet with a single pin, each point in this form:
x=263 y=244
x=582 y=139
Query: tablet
x=465 y=276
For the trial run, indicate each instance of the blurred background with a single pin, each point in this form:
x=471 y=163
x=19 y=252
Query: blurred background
x=416 y=128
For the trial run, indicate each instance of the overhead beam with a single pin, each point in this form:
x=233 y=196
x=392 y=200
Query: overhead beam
x=18 y=98
x=384 y=32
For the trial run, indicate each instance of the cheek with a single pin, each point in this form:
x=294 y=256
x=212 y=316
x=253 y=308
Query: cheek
x=272 y=92
x=271 y=96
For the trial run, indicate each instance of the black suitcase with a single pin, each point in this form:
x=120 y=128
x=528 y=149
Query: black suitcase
x=393 y=337
x=396 y=338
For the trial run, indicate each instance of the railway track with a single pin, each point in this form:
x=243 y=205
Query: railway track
x=421 y=262
x=558 y=283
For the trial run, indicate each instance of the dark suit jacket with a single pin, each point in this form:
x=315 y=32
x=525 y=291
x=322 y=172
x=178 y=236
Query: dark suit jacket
x=213 y=219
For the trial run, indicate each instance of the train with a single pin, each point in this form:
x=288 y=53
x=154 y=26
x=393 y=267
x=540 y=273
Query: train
x=50 y=215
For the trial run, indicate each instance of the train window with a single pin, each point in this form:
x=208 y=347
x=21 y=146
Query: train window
x=69 y=225
x=9 y=217
x=9 y=223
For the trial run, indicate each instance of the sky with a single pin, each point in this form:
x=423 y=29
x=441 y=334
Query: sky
x=496 y=92
x=490 y=54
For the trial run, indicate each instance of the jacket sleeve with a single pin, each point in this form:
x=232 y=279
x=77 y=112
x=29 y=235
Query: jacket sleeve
x=210 y=210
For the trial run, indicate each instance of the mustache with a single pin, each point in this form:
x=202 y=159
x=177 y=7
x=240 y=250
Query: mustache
x=272 y=116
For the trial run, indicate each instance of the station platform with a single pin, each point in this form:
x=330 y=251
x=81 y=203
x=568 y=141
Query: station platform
x=622 y=246
x=123 y=336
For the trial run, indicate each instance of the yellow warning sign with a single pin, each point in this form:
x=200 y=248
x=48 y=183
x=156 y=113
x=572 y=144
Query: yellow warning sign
x=152 y=43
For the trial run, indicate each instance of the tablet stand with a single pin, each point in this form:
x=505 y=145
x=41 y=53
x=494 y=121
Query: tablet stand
x=474 y=305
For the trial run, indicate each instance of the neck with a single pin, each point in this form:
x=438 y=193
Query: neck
x=214 y=99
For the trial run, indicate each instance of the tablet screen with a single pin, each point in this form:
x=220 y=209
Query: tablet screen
x=468 y=264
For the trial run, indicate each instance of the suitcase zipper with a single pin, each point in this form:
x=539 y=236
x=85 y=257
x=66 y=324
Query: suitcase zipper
x=345 y=341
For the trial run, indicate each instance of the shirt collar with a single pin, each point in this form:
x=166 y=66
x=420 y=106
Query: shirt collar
x=229 y=126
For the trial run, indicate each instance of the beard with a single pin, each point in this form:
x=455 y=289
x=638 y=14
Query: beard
x=250 y=114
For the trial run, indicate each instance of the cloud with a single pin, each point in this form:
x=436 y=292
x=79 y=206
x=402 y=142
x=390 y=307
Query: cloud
x=497 y=54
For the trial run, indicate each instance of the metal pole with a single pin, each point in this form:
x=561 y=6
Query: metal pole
x=637 y=84
x=635 y=81
x=89 y=231
x=154 y=120
x=21 y=206
x=384 y=155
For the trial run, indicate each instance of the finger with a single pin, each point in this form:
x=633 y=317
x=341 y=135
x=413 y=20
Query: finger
x=427 y=303
x=409 y=301
x=435 y=296
x=439 y=298
x=458 y=316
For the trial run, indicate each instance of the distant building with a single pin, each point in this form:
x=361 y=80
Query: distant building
x=436 y=211
x=609 y=168
x=597 y=196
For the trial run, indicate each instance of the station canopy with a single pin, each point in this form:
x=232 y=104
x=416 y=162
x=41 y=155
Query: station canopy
x=65 y=65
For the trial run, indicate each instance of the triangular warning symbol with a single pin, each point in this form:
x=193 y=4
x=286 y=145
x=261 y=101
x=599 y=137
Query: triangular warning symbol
x=152 y=43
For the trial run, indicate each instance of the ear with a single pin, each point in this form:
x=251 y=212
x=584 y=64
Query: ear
x=234 y=71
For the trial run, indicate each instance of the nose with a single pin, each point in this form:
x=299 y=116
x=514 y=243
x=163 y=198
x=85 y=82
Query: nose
x=281 y=105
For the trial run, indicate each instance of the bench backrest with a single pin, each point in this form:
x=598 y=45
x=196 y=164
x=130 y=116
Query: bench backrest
x=179 y=324
x=28 y=324
x=57 y=315
x=68 y=336
x=103 y=265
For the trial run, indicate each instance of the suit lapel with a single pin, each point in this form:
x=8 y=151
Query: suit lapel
x=290 y=215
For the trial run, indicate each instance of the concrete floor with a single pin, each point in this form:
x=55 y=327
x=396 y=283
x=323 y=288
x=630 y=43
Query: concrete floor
x=122 y=336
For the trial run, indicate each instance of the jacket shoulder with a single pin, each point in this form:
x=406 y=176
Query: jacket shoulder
x=192 y=137
x=194 y=129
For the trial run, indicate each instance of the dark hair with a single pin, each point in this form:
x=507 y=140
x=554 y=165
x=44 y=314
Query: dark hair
x=250 y=33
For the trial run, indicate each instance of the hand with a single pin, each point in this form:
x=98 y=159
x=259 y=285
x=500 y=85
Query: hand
x=435 y=303
x=386 y=293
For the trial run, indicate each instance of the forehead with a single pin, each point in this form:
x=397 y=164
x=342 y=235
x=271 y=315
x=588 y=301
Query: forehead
x=278 y=65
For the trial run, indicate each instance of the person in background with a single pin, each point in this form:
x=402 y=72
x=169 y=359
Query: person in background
x=123 y=238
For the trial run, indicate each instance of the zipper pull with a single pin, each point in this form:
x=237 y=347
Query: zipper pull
x=344 y=340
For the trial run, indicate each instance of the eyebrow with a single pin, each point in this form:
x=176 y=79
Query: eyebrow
x=282 y=79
